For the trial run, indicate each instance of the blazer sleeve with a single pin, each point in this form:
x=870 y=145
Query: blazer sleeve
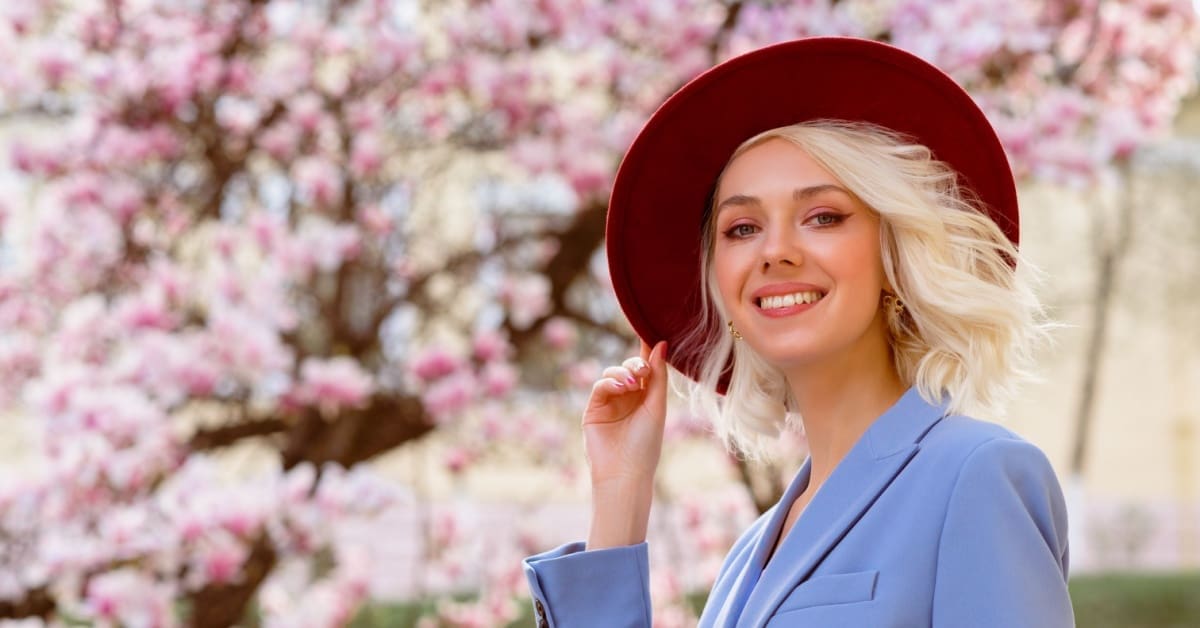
x=1003 y=558
x=606 y=588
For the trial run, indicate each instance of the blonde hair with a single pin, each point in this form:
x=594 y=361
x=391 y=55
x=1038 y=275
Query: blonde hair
x=970 y=325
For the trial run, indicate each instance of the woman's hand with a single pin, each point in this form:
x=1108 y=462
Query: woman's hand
x=623 y=432
x=623 y=423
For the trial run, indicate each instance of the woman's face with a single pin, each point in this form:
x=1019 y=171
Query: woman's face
x=797 y=258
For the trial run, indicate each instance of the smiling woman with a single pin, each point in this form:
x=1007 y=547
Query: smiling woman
x=845 y=255
x=981 y=316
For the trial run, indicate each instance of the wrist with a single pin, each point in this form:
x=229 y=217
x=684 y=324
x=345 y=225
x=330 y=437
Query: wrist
x=620 y=514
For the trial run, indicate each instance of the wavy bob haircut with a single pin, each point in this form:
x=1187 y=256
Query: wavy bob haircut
x=970 y=325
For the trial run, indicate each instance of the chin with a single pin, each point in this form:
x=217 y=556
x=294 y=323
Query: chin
x=786 y=358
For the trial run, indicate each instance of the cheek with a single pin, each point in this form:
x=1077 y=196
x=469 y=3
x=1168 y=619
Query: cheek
x=857 y=263
x=729 y=272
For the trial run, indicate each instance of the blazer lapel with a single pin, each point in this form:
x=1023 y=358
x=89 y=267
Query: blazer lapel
x=857 y=481
x=751 y=572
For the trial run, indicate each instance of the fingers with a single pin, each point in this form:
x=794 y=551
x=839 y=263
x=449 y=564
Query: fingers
x=605 y=391
x=631 y=377
x=621 y=374
x=632 y=373
x=638 y=367
x=606 y=387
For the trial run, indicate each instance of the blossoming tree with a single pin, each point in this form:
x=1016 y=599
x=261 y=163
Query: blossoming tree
x=233 y=220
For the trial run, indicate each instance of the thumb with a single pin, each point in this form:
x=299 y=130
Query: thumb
x=658 y=366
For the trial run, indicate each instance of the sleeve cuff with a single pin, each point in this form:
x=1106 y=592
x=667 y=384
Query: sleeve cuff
x=574 y=588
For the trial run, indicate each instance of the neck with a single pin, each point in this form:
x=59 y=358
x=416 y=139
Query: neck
x=839 y=399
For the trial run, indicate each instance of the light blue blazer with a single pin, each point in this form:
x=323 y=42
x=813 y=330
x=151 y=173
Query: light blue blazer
x=930 y=520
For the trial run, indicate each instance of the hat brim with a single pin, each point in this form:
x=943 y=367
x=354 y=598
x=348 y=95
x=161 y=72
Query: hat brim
x=654 y=225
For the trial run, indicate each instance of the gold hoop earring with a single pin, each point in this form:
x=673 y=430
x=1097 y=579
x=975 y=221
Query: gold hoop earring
x=893 y=304
x=733 y=332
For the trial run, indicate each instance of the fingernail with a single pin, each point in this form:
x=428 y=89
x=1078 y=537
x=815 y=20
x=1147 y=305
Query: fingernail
x=631 y=381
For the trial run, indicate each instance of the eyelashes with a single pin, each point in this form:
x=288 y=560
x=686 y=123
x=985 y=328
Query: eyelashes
x=737 y=232
x=834 y=219
x=823 y=220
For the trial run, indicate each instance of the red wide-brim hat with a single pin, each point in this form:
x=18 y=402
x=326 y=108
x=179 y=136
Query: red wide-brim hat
x=654 y=220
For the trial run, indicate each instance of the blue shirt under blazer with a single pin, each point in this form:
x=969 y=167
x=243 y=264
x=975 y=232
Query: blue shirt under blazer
x=930 y=520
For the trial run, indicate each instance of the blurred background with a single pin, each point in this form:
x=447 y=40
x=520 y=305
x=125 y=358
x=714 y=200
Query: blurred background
x=300 y=301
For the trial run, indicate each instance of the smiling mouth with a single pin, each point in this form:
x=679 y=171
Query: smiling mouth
x=788 y=300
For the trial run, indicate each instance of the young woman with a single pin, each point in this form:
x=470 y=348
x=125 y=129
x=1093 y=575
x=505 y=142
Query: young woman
x=825 y=229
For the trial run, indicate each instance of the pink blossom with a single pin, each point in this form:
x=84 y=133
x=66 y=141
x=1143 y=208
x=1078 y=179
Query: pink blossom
x=329 y=245
x=124 y=198
x=218 y=560
x=243 y=346
x=457 y=459
x=239 y=76
x=527 y=298
x=450 y=395
x=376 y=221
x=318 y=180
x=498 y=379
x=583 y=374
x=130 y=597
x=281 y=141
x=55 y=65
x=306 y=111
x=490 y=345
x=434 y=363
x=36 y=160
x=493 y=423
x=560 y=334
x=238 y=116
x=366 y=157
x=335 y=382
x=148 y=310
x=357 y=490
x=549 y=437
x=365 y=116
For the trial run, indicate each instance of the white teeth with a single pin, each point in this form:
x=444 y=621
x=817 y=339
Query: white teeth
x=768 y=303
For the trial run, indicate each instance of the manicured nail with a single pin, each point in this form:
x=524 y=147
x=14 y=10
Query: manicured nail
x=630 y=380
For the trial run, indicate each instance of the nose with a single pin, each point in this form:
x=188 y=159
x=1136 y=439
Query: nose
x=781 y=248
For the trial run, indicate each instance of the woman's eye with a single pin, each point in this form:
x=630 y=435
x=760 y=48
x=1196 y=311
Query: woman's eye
x=740 y=231
x=825 y=220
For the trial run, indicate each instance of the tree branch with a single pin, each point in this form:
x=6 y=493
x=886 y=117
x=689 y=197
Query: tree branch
x=355 y=435
x=221 y=605
x=577 y=243
x=225 y=435
x=732 y=11
x=36 y=603
x=1065 y=71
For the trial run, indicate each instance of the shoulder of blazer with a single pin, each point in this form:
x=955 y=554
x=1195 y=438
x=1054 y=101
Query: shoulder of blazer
x=955 y=437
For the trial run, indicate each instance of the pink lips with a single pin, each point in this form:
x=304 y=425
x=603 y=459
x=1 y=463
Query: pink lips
x=778 y=289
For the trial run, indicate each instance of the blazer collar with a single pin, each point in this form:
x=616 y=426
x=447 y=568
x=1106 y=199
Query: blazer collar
x=857 y=481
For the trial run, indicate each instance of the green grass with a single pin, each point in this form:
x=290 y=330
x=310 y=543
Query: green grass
x=1116 y=600
x=1137 y=600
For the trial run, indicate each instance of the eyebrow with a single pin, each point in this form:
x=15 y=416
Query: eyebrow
x=798 y=195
